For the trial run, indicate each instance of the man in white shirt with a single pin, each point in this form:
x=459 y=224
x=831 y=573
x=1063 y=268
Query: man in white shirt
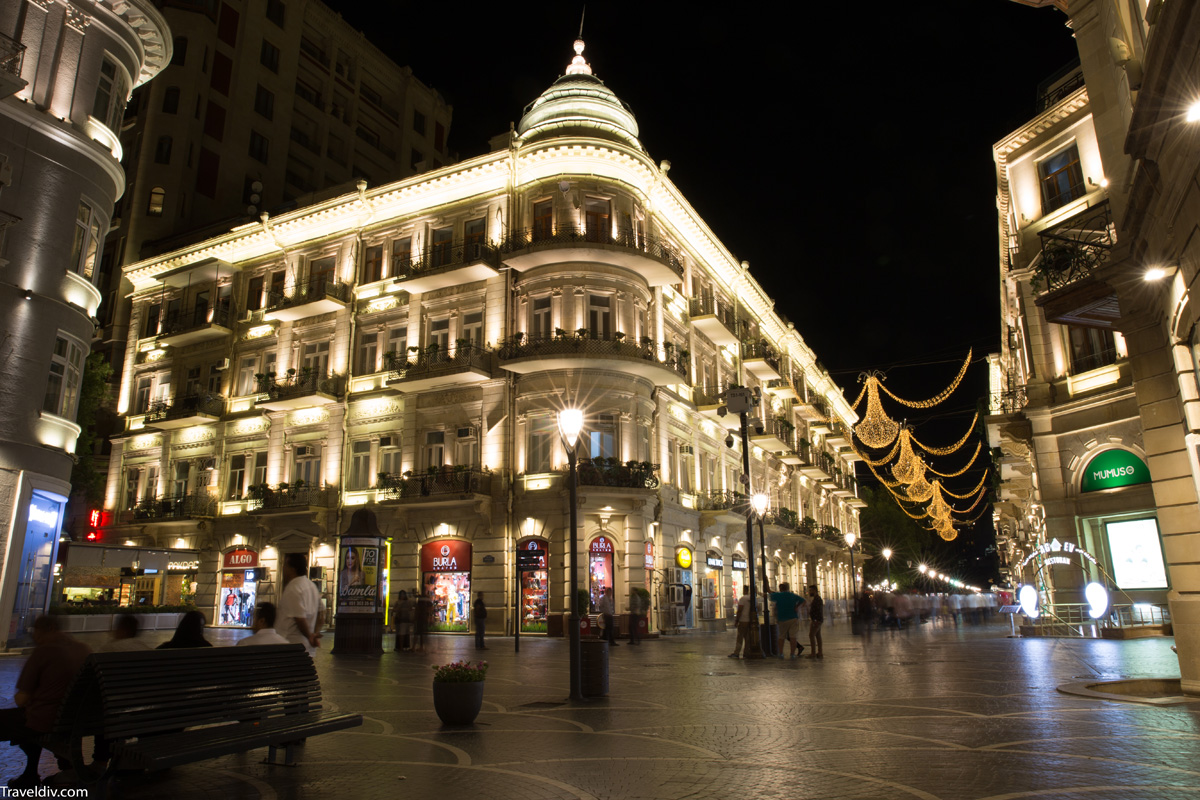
x=744 y=615
x=300 y=605
x=264 y=627
x=124 y=636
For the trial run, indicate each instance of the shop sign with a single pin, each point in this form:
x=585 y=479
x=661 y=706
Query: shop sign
x=1113 y=469
x=1047 y=553
x=683 y=557
x=239 y=559
x=714 y=561
x=531 y=558
x=739 y=563
x=600 y=545
x=358 y=580
x=183 y=566
x=232 y=580
x=446 y=556
x=489 y=559
x=43 y=516
x=649 y=564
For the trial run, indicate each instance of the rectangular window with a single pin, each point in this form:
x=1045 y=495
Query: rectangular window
x=473 y=237
x=397 y=343
x=278 y=287
x=276 y=11
x=260 y=469
x=86 y=246
x=418 y=123
x=539 y=319
x=62 y=385
x=596 y=217
x=368 y=352
x=237 y=477
x=373 y=264
x=162 y=150
x=401 y=256
x=542 y=433
x=222 y=73
x=268 y=56
x=246 y=382
x=192 y=383
x=207 y=167
x=439 y=335
x=316 y=358
x=264 y=102
x=472 y=328
x=259 y=147
x=153 y=312
x=389 y=460
x=435 y=449
x=602 y=438
x=170 y=103
x=141 y=399
x=1061 y=178
x=600 y=316
x=133 y=477
x=1091 y=348
x=306 y=464
x=111 y=92
x=443 y=247
x=183 y=475
x=254 y=293
x=543 y=220
x=360 y=465
x=227 y=25
x=415 y=157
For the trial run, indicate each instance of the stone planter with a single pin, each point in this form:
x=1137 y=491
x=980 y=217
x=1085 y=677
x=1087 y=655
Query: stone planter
x=97 y=622
x=457 y=703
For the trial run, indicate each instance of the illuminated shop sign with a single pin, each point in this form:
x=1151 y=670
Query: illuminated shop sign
x=183 y=566
x=1055 y=552
x=683 y=557
x=1137 y=557
x=714 y=561
x=240 y=559
x=739 y=563
x=43 y=516
x=648 y=562
x=1113 y=469
x=446 y=556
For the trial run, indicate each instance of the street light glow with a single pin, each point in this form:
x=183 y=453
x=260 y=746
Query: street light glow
x=1193 y=112
x=759 y=501
x=851 y=538
x=923 y=569
x=887 y=552
x=570 y=423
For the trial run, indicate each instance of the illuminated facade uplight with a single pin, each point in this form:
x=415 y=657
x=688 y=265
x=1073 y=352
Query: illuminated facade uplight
x=1154 y=274
x=1193 y=112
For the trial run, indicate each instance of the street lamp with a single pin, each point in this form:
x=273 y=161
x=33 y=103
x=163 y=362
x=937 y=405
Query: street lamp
x=759 y=502
x=887 y=556
x=570 y=423
x=851 y=538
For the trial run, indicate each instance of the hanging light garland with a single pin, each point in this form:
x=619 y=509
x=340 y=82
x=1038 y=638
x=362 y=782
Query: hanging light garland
x=919 y=490
x=905 y=468
x=933 y=401
x=876 y=429
x=945 y=451
x=978 y=447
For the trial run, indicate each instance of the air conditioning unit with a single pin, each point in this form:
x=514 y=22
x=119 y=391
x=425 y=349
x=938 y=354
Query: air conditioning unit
x=686 y=450
x=306 y=451
x=675 y=594
x=221 y=365
x=680 y=616
x=671 y=575
x=466 y=433
x=389 y=442
x=247 y=316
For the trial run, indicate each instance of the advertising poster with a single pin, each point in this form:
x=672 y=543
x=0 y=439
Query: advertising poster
x=1137 y=557
x=358 y=577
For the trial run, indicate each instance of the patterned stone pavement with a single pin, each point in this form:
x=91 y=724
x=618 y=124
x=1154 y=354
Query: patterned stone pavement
x=937 y=713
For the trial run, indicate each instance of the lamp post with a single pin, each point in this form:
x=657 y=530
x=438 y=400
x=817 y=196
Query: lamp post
x=570 y=423
x=742 y=401
x=851 y=538
x=887 y=556
x=759 y=502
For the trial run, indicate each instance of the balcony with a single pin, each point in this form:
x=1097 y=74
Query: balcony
x=304 y=389
x=716 y=321
x=727 y=507
x=837 y=436
x=12 y=54
x=781 y=388
x=1010 y=401
x=450 y=265
x=208 y=270
x=611 y=472
x=193 y=327
x=164 y=509
x=814 y=465
x=289 y=498
x=1072 y=251
x=812 y=409
x=762 y=361
x=317 y=296
x=655 y=261
x=466 y=364
x=777 y=435
x=450 y=484
x=198 y=408
x=583 y=351
x=708 y=403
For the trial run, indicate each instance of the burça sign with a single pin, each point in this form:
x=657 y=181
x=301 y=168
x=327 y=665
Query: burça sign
x=1113 y=469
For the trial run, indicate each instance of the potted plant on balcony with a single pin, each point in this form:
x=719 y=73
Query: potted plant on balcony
x=808 y=527
x=458 y=691
x=389 y=360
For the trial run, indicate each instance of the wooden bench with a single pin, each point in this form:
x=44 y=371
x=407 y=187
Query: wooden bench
x=163 y=708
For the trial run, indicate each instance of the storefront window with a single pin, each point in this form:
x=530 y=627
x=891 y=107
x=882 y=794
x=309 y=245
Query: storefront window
x=710 y=589
x=36 y=567
x=239 y=588
x=446 y=579
x=600 y=570
x=535 y=591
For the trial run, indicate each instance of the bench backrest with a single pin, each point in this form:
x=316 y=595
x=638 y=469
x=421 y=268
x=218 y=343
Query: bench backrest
x=141 y=693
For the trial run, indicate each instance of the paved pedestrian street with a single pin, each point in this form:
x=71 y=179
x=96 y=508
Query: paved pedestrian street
x=937 y=713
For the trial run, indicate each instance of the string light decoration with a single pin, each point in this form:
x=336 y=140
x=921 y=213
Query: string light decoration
x=975 y=455
x=933 y=401
x=876 y=429
x=945 y=451
x=919 y=490
x=905 y=468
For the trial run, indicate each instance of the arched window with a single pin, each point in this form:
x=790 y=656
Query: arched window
x=171 y=100
x=162 y=151
x=158 y=197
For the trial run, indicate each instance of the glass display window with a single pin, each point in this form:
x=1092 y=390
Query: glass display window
x=600 y=570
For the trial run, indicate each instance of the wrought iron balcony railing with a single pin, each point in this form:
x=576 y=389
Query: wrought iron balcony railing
x=760 y=349
x=433 y=361
x=12 y=54
x=287 y=496
x=1074 y=248
x=723 y=501
x=1010 y=401
x=586 y=343
x=441 y=482
x=187 y=405
x=309 y=292
x=611 y=472
x=446 y=256
x=183 y=321
x=540 y=237
x=188 y=506
x=300 y=384
x=704 y=306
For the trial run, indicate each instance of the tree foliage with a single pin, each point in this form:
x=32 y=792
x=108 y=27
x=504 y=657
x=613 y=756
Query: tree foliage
x=86 y=481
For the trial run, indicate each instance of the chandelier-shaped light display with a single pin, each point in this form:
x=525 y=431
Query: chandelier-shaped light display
x=876 y=429
x=907 y=463
x=919 y=490
x=939 y=509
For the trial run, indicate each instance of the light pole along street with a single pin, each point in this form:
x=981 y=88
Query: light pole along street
x=570 y=423
x=760 y=502
x=851 y=538
x=887 y=557
x=741 y=401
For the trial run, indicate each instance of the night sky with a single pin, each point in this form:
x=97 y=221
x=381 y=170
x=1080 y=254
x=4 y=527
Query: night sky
x=845 y=145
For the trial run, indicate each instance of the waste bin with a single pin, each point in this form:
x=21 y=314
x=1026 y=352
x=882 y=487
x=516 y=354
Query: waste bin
x=593 y=668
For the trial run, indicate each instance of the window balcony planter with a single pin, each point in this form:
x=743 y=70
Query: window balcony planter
x=729 y=507
x=290 y=498
x=1064 y=278
x=716 y=321
x=446 y=484
x=431 y=367
x=302 y=389
x=197 y=408
x=578 y=350
x=309 y=299
x=192 y=327
x=450 y=264
x=198 y=505
x=611 y=472
x=762 y=361
x=654 y=260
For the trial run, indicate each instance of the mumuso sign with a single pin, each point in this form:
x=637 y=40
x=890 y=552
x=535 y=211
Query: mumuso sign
x=1113 y=469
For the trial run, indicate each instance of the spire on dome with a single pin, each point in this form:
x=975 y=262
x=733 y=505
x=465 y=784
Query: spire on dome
x=578 y=66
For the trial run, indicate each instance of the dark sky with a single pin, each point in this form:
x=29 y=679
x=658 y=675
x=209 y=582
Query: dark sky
x=843 y=149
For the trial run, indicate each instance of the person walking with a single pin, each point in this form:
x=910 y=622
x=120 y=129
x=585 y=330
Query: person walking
x=300 y=605
x=404 y=622
x=816 y=617
x=743 y=617
x=606 y=615
x=423 y=611
x=479 y=611
x=787 y=614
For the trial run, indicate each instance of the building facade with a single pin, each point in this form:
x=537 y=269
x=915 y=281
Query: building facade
x=1135 y=277
x=66 y=73
x=408 y=347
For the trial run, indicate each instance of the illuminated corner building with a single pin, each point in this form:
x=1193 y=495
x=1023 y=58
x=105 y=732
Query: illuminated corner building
x=1110 y=238
x=264 y=106
x=66 y=70
x=407 y=348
